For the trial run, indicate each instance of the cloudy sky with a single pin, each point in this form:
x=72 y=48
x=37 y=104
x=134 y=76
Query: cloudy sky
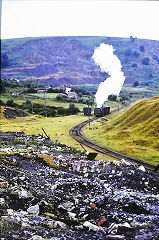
x=30 y=18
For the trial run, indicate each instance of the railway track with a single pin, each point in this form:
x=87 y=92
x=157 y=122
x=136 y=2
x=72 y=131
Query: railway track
x=75 y=132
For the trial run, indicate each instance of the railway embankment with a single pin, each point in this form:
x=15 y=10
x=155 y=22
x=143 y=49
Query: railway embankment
x=134 y=133
x=51 y=191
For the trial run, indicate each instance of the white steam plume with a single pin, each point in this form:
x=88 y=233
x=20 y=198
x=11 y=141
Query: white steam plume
x=108 y=62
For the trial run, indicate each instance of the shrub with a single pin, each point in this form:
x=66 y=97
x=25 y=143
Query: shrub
x=11 y=103
x=61 y=98
x=61 y=111
x=81 y=100
x=2 y=87
x=112 y=97
x=80 y=94
x=155 y=57
x=136 y=54
x=132 y=39
x=124 y=95
x=28 y=102
x=142 y=49
x=32 y=90
x=55 y=90
x=72 y=109
x=146 y=61
x=150 y=75
x=52 y=112
x=71 y=105
x=134 y=65
x=136 y=83
x=1 y=103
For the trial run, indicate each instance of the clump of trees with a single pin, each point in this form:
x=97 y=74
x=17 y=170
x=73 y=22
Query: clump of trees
x=81 y=91
x=52 y=111
x=82 y=99
x=55 y=90
x=124 y=95
x=11 y=103
x=112 y=97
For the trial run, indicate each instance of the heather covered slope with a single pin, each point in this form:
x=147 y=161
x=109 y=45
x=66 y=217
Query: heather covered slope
x=135 y=132
x=59 y=60
x=54 y=61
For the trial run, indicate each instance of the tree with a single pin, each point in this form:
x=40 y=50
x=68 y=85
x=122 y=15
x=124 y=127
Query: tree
x=142 y=49
x=124 y=95
x=72 y=109
x=150 y=75
x=134 y=65
x=146 y=61
x=112 y=97
x=52 y=112
x=1 y=103
x=71 y=105
x=11 y=103
x=132 y=39
x=136 y=83
x=90 y=101
x=61 y=98
x=4 y=60
x=2 y=87
x=61 y=111
x=28 y=102
x=136 y=54
x=80 y=94
x=32 y=90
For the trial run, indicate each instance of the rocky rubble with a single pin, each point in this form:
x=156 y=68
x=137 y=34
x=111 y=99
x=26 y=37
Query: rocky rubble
x=75 y=198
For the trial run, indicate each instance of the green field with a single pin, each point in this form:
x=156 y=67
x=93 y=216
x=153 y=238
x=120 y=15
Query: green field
x=49 y=102
x=42 y=95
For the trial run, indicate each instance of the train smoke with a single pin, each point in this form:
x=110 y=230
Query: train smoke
x=108 y=62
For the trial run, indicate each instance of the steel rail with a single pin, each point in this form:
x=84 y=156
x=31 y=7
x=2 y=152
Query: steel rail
x=75 y=132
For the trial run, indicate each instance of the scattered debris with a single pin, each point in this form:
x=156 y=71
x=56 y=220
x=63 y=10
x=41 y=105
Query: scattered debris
x=50 y=191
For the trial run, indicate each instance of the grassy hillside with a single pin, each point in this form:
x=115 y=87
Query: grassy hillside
x=60 y=60
x=135 y=132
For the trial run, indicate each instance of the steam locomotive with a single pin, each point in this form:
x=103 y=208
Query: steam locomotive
x=99 y=112
x=87 y=111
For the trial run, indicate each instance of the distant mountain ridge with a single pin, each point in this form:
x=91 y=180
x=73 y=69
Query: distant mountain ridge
x=67 y=60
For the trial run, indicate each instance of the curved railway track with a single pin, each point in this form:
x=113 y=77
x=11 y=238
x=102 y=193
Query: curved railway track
x=75 y=132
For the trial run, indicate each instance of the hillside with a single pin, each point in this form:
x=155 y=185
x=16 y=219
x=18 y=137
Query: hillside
x=142 y=118
x=135 y=132
x=59 y=60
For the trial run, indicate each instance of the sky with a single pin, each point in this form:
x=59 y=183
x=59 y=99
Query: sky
x=34 y=18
